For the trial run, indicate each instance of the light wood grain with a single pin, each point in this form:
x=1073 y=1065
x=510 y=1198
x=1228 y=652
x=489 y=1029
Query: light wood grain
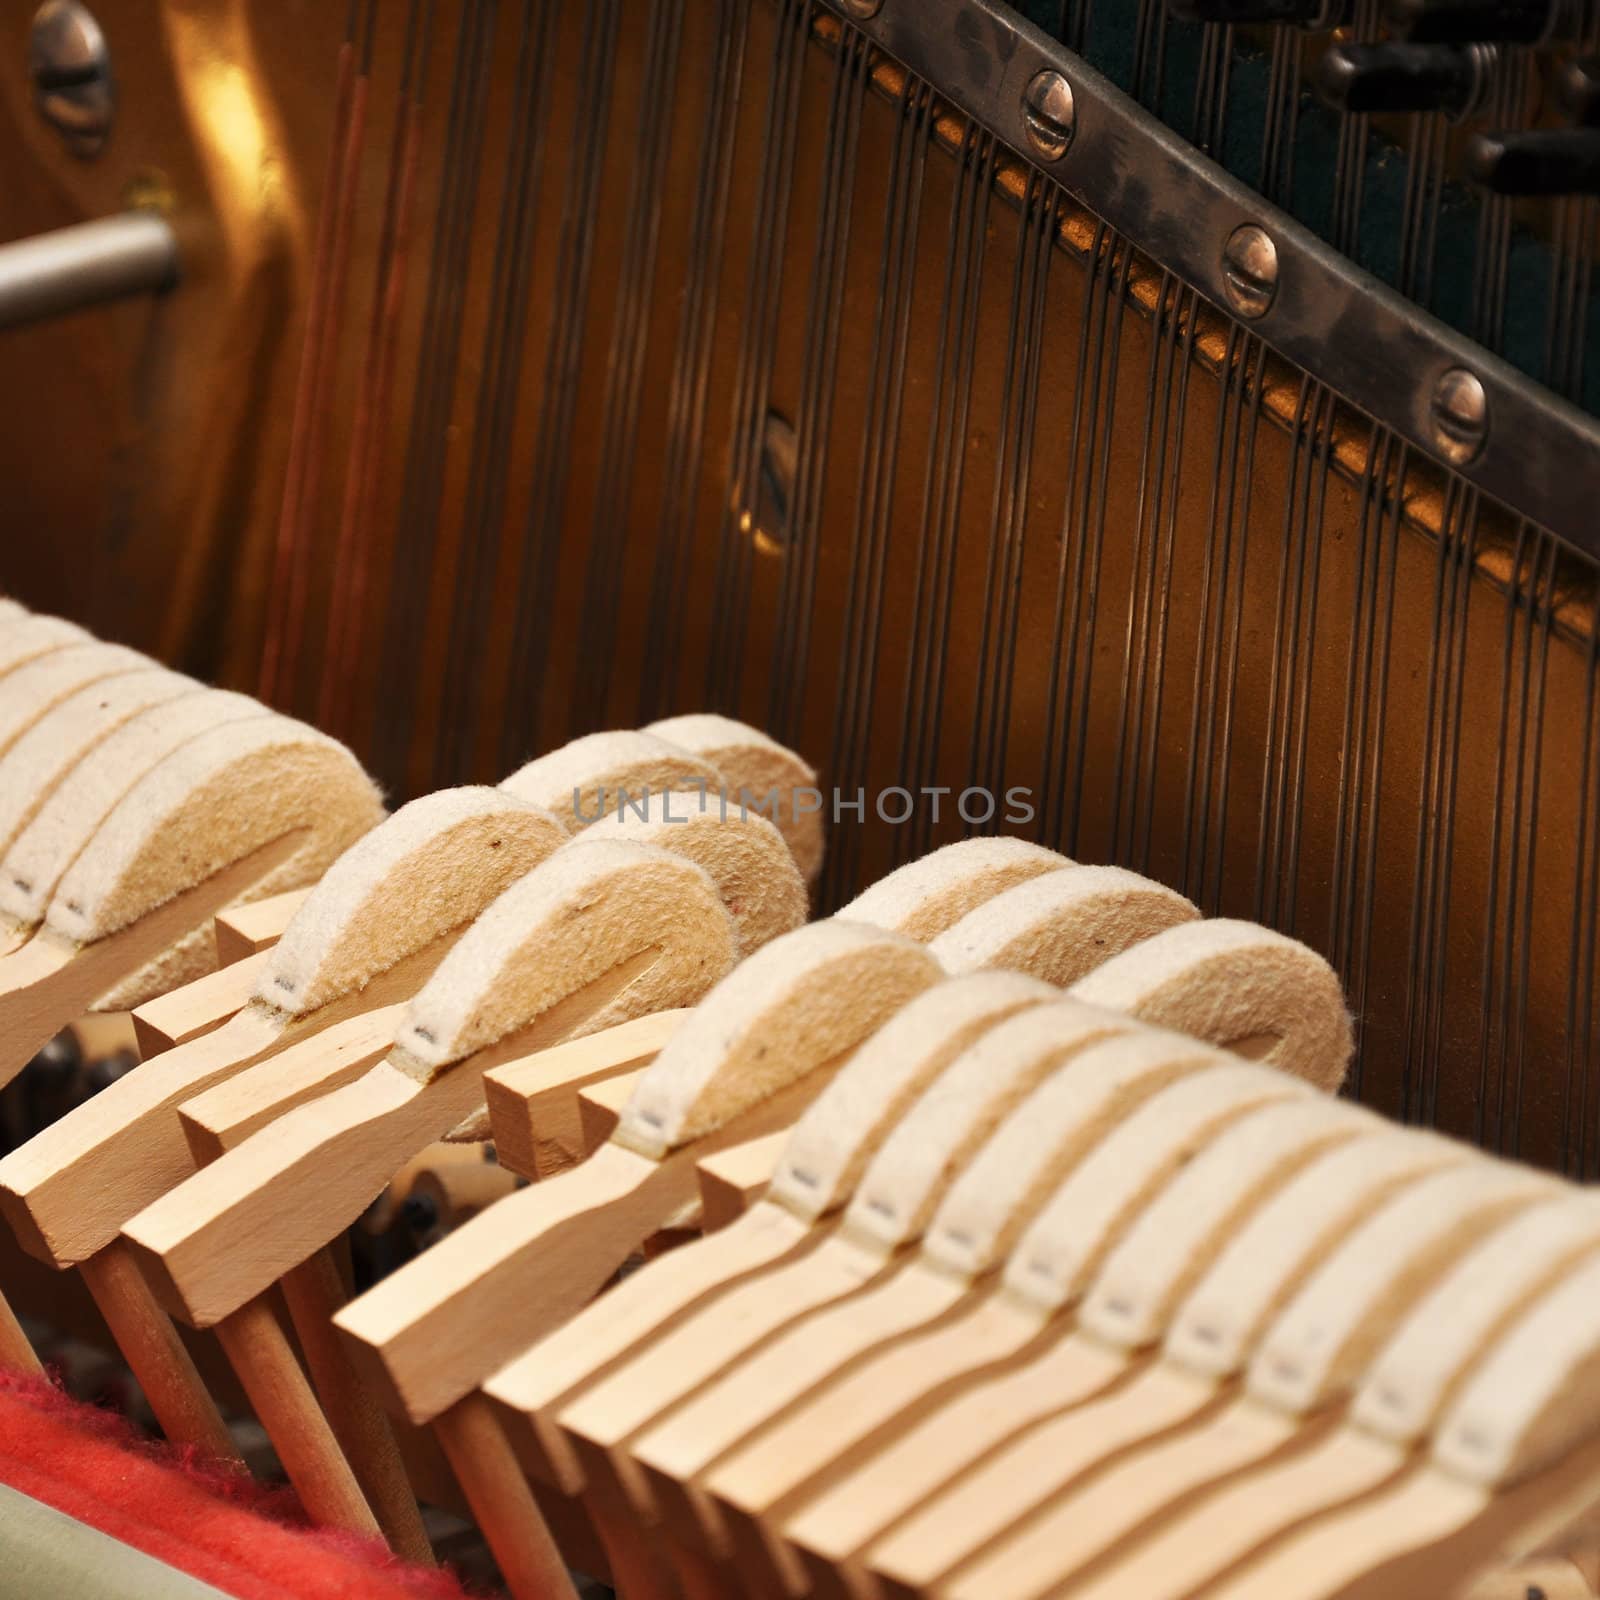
x=313 y=1292
x=600 y=1107
x=49 y=981
x=569 y=1236
x=281 y=1397
x=502 y=1503
x=533 y=1106
x=69 y=1190
x=226 y=1114
x=196 y=1008
x=151 y=1346
x=16 y=1352
x=732 y=1180
x=245 y=930
x=230 y=1231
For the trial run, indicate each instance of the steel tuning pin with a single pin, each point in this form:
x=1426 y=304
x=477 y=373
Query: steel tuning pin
x=1400 y=76
x=1542 y=161
x=1315 y=14
x=1577 y=89
x=1466 y=21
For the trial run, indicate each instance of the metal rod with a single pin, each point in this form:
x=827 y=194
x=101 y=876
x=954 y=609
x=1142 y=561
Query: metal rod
x=90 y=262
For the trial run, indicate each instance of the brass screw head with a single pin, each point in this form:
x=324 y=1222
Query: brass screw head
x=1459 y=412
x=1250 y=270
x=1048 y=113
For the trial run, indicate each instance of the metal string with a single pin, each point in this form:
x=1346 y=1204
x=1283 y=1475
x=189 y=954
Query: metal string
x=1223 y=679
x=1058 y=801
x=789 y=673
x=754 y=370
x=997 y=649
x=349 y=620
x=1359 y=795
x=1157 y=615
x=1145 y=630
x=1579 y=1155
x=941 y=499
x=552 y=453
x=1154 y=670
x=869 y=531
x=1489 y=1125
x=422 y=490
x=500 y=364
x=1436 y=809
x=683 y=449
x=619 y=429
x=1089 y=522
x=1276 y=181
x=275 y=664
x=281 y=662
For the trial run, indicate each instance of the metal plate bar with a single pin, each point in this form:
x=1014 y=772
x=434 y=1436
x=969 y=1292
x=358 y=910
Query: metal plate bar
x=1539 y=455
x=113 y=258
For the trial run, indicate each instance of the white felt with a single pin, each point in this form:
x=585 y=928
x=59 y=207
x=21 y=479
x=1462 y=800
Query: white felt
x=66 y=822
x=1061 y=925
x=1409 y=1382
x=745 y=857
x=1170 y=1243
x=578 y=916
x=1061 y=1247
x=432 y=866
x=798 y=1002
x=1156 y=992
x=44 y=755
x=1206 y=978
x=1535 y=1395
x=1216 y=1327
x=761 y=767
x=950 y=1123
x=31 y=637
x=827 y=1151
x=1322 y=1340
x=211 y=802
x=927 y=896
x=583 y=780
x=33 y=689
x=1105 y=1065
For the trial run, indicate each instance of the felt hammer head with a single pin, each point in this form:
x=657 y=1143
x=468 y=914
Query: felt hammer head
x=743 y=854
x=214 y=801
x=828 y=1150
x=590 y=912
x=1063 y=924
x=799 y=1002
x=927 y=896
x=41 y=758
x=591 y=776
x=432 y=866
x=770 y=775
x=70 y=816
x=28 y=637
x=1235 y=984
x=30 y=691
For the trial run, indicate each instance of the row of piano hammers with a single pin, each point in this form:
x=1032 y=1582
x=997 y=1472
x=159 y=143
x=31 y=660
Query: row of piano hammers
x=1001 y=1235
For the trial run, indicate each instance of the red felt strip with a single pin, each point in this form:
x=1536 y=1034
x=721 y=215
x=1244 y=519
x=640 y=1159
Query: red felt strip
x=195 y=1514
